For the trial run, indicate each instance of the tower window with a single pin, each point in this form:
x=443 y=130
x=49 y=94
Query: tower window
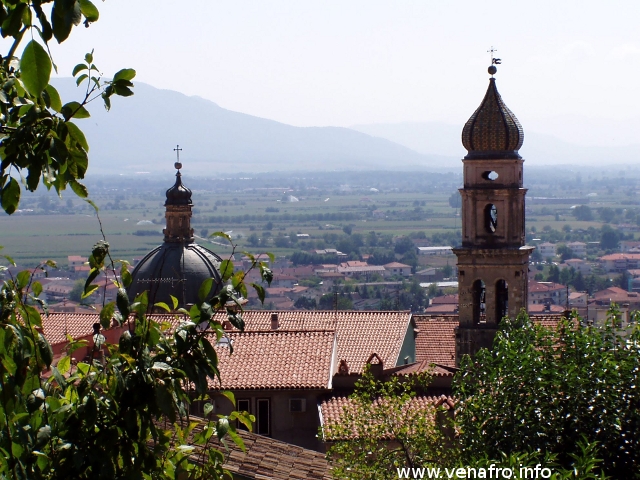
x=478 y=294
x=491 y=218
x=490 y=175
x=502 y=300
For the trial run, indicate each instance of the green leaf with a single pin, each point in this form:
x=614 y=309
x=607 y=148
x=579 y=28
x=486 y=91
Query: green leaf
x=230 y=396
x=23 y=278
x=78 y=188
x=175 y=302
x=222 y=427
x=88 y=291
x=54 y=98
x=226 y=270
x=81 y=78
x=163 y=306
x=220 y=234
x=10 y=196
x=205 y=289
x=237 y=440
x=125 y=276
x=122 y=302
x=89 y=57
x=35 y=67
x=208 y=408
x=78 y=68
x=74 y=110
x=77 y=135
x=36 y=288
x=164 y=401
x=106 y=314
x=210 y=352
x=64 y=364
x=260 y=291
x=124 y=74
x=13 y=22
x=46 y=352
x=64 y=16
x=90 y=202
x=90 y=12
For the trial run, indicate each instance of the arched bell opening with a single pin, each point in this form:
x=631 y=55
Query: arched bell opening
x=502 y=300
x=478 y=294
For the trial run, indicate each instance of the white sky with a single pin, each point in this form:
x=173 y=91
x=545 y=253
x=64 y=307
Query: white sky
x=570 y=68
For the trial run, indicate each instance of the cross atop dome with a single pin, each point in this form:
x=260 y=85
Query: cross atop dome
x=178 y=165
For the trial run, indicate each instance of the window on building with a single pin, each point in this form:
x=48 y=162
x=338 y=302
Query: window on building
x=491 y=218
x=478 y=293
x=263 y=416
x=502 y=300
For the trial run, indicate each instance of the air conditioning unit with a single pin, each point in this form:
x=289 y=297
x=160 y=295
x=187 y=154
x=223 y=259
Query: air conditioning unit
x=297 y=405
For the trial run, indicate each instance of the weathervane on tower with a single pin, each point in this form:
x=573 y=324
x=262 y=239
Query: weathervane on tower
x=178 y=165
x=494 y=61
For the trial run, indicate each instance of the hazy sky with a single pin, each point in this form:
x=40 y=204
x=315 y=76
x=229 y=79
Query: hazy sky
x=570 y=68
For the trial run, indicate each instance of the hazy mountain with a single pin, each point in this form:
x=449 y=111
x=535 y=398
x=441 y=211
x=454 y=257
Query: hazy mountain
x=139 y=133
x=538 y=149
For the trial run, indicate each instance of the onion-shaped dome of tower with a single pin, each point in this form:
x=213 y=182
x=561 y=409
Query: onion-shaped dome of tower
x=179 y=266
x=493 y=131
x=178 y=194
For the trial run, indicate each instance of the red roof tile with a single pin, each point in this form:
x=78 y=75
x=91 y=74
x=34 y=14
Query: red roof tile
x=451 y=299
x=277 y=360
x=359 y=333
x=436 y=341
x=267 y=459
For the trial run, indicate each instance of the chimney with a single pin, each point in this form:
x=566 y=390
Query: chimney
x=275 y=324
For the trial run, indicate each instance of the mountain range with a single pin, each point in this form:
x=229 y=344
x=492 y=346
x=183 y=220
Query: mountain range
x=140 y=132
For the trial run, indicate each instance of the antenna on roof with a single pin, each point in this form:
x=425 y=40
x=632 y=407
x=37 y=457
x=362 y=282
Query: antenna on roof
x=397 y=298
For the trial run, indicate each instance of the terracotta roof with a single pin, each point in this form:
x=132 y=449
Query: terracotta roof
x=58 y=324
x=359 y=334
x=540 y=309
x=616 y=294
x=442 y=308
x=448 y=299
x=277 y=360
x=436 y=341
x=396 y=265
x=549 y=321
x=268 y=459
x=620 y=256
x=426 y=366
x=535 y=287
x=332 y=408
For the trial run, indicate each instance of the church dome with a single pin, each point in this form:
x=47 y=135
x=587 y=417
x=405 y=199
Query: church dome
x=175 y=269
x=179 y=266
x=493 y=131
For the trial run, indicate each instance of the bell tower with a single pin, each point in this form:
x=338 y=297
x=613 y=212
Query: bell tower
x=493 y=260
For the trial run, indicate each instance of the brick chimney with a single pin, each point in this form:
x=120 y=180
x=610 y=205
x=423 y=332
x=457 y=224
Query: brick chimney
x=275 y=323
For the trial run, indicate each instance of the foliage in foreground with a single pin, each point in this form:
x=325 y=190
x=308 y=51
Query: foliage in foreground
x=385 y=434
x=383 y=427
x=105 y=417
x=550 y=391
x=38 y=139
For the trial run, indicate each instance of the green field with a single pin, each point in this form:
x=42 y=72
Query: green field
x=388 y=203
